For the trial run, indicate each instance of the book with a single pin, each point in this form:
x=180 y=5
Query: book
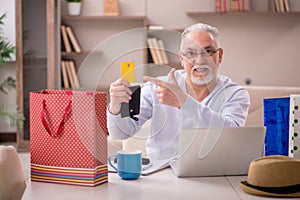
x=162 y=49
x=69 y=73
x=218 y=7
x=240 y=5
x=287 y=6
x=64 y=75
x=157 y=50
x=235 y=5
x=272 y=5
x=152 y=51
x=149 y=56
x=74 y=74
x=226 y=6
x=73 y=39
x=277 y=7
x=280 y=5
x=247 y=5
x=62 y=45
x=65 y=39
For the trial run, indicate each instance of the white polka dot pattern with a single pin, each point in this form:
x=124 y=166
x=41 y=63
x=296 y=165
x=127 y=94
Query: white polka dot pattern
x=294 y=129
x=82 y=142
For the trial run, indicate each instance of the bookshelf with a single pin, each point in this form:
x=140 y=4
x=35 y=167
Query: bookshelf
x=100 y=38
x=98 y=33
x=171 y=40
x=236 y=14
x=252 y=8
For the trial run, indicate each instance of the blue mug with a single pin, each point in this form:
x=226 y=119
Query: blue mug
x=129 y=164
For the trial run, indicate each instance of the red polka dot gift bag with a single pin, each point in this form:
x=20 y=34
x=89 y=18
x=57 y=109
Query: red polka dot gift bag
x=68 y=137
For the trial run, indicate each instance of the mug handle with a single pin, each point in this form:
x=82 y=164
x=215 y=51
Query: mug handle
x=109 y=161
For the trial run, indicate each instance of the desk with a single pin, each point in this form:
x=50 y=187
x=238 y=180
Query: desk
x=161 y=185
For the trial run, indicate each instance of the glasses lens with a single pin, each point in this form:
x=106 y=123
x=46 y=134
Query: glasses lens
x=192 y=54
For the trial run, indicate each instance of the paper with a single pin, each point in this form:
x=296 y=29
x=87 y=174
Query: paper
x=157 y=165
x=294 y=139
x=154 y=166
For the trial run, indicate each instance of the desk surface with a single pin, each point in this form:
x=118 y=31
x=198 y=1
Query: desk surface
x=161 y=185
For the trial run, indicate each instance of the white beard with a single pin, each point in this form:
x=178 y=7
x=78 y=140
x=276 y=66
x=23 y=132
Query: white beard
x=206 y=78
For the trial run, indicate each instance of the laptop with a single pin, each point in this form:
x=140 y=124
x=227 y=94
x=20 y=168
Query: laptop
x=218 y=152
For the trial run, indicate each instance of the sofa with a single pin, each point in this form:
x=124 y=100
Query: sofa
x=257 y=94
x=255 y=115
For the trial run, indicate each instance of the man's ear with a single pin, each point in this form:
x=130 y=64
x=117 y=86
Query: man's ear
x=181 y=59
x=221 y=51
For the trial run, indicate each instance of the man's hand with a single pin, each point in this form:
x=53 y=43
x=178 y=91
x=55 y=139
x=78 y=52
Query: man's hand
x=119 y=92
x=168 y=93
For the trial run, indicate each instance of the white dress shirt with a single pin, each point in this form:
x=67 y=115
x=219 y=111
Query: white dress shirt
x=226 y=106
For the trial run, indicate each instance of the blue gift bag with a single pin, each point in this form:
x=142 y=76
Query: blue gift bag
x=276 y=119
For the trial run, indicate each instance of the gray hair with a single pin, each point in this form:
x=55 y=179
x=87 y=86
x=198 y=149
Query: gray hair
x=201 y=27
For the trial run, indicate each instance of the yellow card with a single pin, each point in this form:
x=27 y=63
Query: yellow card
x=127 y=71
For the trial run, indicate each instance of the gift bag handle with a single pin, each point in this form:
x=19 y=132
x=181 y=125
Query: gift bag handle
x=62 y=122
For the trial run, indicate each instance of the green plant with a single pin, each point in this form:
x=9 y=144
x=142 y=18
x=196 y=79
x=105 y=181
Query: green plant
x=6 y=49
x=8 y=85
x=6 y=52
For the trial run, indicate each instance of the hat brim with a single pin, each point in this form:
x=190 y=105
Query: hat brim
x=251 y=190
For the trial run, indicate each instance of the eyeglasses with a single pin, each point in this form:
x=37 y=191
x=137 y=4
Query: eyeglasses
x=191 y=54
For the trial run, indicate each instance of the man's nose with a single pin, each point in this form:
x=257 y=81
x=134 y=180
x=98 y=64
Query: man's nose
x=200 y=58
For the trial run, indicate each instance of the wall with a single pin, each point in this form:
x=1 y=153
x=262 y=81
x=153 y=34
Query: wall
x=259 y=46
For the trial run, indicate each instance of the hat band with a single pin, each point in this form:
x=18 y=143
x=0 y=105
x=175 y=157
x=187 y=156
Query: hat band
x=277 y=190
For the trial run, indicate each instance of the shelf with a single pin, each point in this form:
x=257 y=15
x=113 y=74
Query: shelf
x=159 y=31
x=10 y=61
x=104 y=18
x=83 y=53
x=250 y=13
x=96 y=35
x=172 y=64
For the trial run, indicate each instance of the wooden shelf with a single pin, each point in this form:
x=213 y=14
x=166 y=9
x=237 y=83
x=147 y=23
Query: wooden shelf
x=118 y=18
x=91 y=31
x=250 y=13
x=83 y=53
x=171 y=65
x=157 y=31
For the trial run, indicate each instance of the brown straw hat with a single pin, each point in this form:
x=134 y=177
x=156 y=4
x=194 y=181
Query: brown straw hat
x=276 y=176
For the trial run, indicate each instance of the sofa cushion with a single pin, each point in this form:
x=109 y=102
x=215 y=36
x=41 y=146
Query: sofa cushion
x=12 y=181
